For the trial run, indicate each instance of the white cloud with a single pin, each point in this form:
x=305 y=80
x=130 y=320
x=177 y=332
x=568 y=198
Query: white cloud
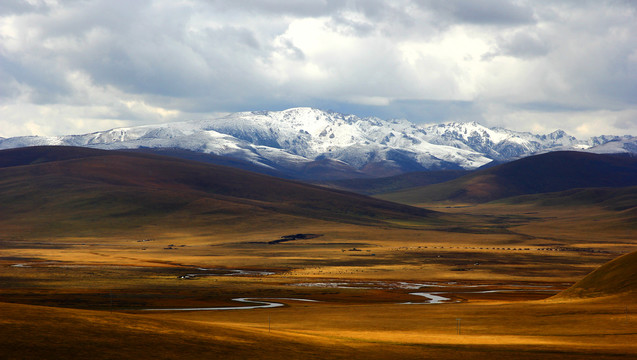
x=370 y=100
x=69 y=66
x=581 y=124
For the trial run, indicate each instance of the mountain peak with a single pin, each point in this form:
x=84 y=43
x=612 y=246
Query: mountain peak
x=291 y=140
x=558 y=134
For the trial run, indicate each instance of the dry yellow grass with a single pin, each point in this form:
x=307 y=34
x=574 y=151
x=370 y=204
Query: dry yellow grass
x=588 y=330
x=124 y=274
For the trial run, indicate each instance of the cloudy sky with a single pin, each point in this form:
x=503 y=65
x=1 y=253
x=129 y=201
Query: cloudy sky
x=71 y=66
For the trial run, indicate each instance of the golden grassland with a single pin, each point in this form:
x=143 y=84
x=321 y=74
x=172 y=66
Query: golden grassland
x=529 y=330
x=94 y=289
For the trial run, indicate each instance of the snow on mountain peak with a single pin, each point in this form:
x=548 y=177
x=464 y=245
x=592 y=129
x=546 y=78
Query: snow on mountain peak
x=297 y=136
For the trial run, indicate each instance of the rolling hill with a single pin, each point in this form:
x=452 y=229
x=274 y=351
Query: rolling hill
x=393 y=183
x=37 y=332
x=616 y=277
x=550 y=172
x=615 y=199
x=315 y=170
x=53 y=190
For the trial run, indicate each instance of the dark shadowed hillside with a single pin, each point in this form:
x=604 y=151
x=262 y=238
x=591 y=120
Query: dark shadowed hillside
x=551 y=172
x=314 y=170
x=616 y=199
x=58 y=189
x=394 y=183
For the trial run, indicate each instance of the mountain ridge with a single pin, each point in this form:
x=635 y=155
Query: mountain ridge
x=543 y=173
x=344 y=146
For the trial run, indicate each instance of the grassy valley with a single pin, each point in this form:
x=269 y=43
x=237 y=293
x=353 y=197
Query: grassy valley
x=92 y=240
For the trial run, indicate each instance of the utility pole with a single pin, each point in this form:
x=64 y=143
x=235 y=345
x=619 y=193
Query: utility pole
x=268 y=322
x=458 y=326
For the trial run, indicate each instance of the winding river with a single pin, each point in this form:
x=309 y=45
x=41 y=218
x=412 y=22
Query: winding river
x=259 y=301
x=433 y=299
x=430 y=297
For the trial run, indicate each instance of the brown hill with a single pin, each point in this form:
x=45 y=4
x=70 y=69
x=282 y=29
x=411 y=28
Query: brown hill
x=393 y=183
x=551 y=172
x=35 y=332
x=322 y=169
x=616 y=277
x=616 y=199
x=50 y=190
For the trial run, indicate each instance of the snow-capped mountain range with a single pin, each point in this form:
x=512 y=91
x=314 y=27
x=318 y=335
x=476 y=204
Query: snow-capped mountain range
x=333 y=145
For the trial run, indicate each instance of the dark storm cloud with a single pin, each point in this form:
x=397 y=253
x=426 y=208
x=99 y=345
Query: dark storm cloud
x=16 y=7
x=553 y=107
x=522 y=44
x=494 y=12
x=10 y=7
x=179 y=65
x=43 y=77
x=280 y=7
x=136 y=48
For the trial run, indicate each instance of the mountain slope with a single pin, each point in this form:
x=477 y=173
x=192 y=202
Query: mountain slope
x=618 y=276
x=499 y=143
x=72 y=334
x=316 y=170
x=288 y=141
x=56 y=189
x=616 y=199
x=551 y=172
x=312 y=144
x=394 y=183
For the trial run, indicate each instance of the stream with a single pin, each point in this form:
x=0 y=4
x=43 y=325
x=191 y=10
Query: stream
x=261 y=305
